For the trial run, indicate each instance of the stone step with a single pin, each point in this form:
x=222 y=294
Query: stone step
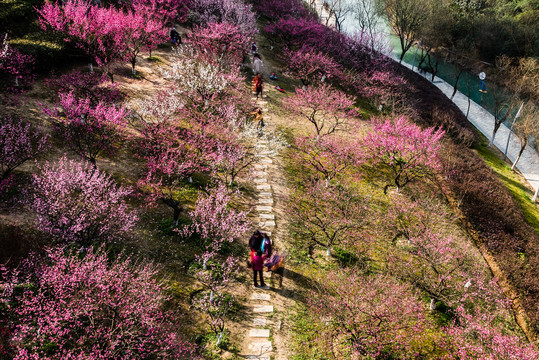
x=260 y=208
x=260 y=321
x=261 y=347
x=265 y=201
x=260 y=166
x=267 y=216
x=265 y=195
x=264 y=153
x=261 y=180
x=260 y=173
x=259 y=333
x=268 y=224
x=258 y=357
x=260 y=296
x=266 y=161
x=263 y=187
x=263 y=309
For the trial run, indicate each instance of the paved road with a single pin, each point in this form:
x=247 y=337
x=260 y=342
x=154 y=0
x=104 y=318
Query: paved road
x=528 y=164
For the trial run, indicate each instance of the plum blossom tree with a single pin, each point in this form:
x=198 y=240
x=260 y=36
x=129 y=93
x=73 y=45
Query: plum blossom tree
x=329 y=157
x=73 y=306
x=75 y=202
x=214 y=222
x=367 y=316
x=89 y=130
x=209 y=92
x=222 y=40
x=105 y=34
x=225 y=11
x=311 y=66
x=401 y=150
x=86 y=85
x=18 y=144
x=165 y=11
x=216 y=276
x=325 y=107
x=327 y=216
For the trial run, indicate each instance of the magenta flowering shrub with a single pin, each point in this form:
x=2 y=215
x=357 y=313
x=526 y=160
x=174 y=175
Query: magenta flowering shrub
x=277 y=9
x=90 y=130
x=18 y=144
x=325 y=107
x=402 y=150
x=80 y=306
x=16 y=69
x=165 y=11
x=75 y=202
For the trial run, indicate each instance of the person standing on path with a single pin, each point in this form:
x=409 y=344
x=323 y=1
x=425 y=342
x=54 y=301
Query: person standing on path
x=267 y=247
x=257 y=64
x=257 y=259
x=258 y=83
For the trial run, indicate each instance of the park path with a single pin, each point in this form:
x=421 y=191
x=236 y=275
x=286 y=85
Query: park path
x=528 y=164
x=266 y=337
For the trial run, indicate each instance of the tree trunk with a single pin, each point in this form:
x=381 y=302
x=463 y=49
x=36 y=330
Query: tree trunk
x=534 y=199
x=328 y=251
x=91 y=67
x=518 y=157
x=492 y=138
x=133 y=62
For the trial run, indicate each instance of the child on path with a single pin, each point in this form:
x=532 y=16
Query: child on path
x=257 y=259
x=259 y=118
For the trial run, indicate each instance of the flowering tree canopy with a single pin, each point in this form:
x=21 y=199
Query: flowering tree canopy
x=89 y=130
x=325 y=107
x=402 y=150
x=76 y=202
x=311 y=66
x=73 y=306
x=18 y=144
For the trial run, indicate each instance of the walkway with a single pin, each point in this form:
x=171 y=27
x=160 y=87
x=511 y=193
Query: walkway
x=528 y=164
x=264 y=338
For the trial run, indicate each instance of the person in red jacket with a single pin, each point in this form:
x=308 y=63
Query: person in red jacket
x=257 y=259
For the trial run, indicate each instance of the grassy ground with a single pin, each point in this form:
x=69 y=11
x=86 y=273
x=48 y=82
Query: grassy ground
x=513 y=181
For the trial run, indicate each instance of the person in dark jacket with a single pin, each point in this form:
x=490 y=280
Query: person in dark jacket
x=255 y=242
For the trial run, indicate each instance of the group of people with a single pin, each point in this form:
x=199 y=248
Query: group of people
x=262 y=256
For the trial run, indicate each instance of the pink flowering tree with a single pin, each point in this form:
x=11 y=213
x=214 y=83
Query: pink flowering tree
x=216 y=276
x=75 y=202
x=89 y=130
x=214 y=222
x=86 y=85
x=326 y=216
x=18 y=144
x=381 y=85
x=164 y=11
x=81 y=306
x=234 y=12
x=328 y=157
x=98 y=31
x=16 y=69
x=311 y=66
x=229 y=159
x=366 y=316
x=401 y=151
x=325 y=107
x=172 y=156
x=484 y=336
x=224 y=41
x=140 y=33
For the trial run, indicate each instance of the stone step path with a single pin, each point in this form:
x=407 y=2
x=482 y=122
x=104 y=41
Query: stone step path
x=259 y=347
